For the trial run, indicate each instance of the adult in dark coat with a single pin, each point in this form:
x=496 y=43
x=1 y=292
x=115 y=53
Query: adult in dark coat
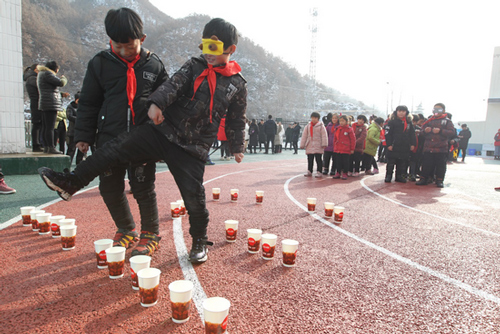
x=295 y=137
x=464 y=137
x=270 y=129
x=262 y=135
x=288 y=136
x=400 y=138
x=254 y=136
x=29 y=76
x=50 y=102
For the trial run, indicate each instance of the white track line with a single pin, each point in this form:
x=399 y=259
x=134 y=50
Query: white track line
x=427 y=213
x=427 y=270
x=188 y=271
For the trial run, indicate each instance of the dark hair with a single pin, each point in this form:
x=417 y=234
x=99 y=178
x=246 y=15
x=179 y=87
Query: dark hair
x=77 y=95
x=224 y=30
x=404 y=108
x=344 y=117
x=33 y=67
x=315 y=114
x=363 y=117
x=440 y=105
x=270 y=117
x=379 y=121
x=123 y=24
x=464 y=125
x=52 y=65
x=416 y=118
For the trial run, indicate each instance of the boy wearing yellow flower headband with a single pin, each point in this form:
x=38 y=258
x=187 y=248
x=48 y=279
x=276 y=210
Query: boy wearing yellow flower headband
x=186 y=111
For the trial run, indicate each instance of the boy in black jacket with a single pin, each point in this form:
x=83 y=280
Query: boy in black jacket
x=113 y=99
x=186 y=111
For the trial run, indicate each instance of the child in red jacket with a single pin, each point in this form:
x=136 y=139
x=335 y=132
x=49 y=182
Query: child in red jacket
x=343 y=146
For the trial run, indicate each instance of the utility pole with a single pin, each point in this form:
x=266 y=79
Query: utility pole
x=312 y=59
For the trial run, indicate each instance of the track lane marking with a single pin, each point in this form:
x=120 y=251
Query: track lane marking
x=427 y=270
x=427 y=213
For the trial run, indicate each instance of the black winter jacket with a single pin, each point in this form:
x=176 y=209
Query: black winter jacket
x=399 y=139
x=103 y=111
x=187 y=117
x=71 y=111
x=270 y=128
x=48 y=87
x=29 y=77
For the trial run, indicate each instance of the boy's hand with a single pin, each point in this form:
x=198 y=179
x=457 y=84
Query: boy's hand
x=427 y=130
x=155 y=114
x=412 y=148
x=82 y=146
x=352 y=152
x=390 y=148
x=436 y=130
x=238 y=157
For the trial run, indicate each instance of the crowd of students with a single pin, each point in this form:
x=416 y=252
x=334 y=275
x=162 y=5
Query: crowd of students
x=413 y=146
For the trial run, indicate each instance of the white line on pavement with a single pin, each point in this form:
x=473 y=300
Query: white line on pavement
x=446 y=278
x=427 y=213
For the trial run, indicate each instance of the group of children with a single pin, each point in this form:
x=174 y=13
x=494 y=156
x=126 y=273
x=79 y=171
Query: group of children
x=410 y=142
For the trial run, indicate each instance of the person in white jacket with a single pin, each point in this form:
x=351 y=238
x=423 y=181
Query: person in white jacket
x=278 y=138
x=314 y=140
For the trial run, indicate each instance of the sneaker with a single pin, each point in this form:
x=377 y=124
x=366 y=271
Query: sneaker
x=66 y=184
x=5 y=189
x=199 y=250
x=439 y=184
x=318 y=174
x=344 y=176
x=388 y=178
x=336 y=176
x=308 y=173
x=368 y=172
x=209 y=162
x=349 y=173
x=355 y=174
x=422 y=182
x=412 y=178
x=148 y=244
x=125 y=238
x=375 y=171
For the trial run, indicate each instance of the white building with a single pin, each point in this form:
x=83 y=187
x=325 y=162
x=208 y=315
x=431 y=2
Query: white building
x=12 y=139
x=483 y=132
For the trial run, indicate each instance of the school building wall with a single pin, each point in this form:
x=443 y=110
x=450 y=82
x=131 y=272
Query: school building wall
x=12 y=139
x=483 y=132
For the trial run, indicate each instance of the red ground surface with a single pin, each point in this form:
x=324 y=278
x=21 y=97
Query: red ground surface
x=386 y=269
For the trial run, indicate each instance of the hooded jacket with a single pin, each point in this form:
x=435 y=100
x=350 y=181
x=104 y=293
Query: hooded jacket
x=103 y=111
x=30 y=77
x=345 y=140
x=465 y=135
x=372 y=139
x=360 y=133
x=48 y=87
x=187 y=115
x=315 y=143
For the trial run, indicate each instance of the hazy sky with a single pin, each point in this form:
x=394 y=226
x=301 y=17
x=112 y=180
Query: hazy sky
x=413 y=51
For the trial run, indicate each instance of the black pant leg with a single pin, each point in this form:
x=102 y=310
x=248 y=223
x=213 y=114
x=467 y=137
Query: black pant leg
x=142 y=182
x=188 y=174
x=310 y=162
x=319 y=162
x=48 y=124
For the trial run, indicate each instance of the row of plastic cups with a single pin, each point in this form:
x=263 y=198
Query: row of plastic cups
x=331 y=210
x=259 y=195
x=147 y=281
x=255 y=238
x=44 y=223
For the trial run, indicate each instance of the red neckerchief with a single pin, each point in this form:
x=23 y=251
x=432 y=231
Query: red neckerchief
x=131 y=80
x=312 y=126
x=227 y=70
x=443 y=115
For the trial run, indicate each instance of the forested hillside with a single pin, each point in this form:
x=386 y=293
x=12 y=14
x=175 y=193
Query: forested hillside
x=71 y=32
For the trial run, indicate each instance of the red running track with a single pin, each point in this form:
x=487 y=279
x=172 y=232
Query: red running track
x=406 y=259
